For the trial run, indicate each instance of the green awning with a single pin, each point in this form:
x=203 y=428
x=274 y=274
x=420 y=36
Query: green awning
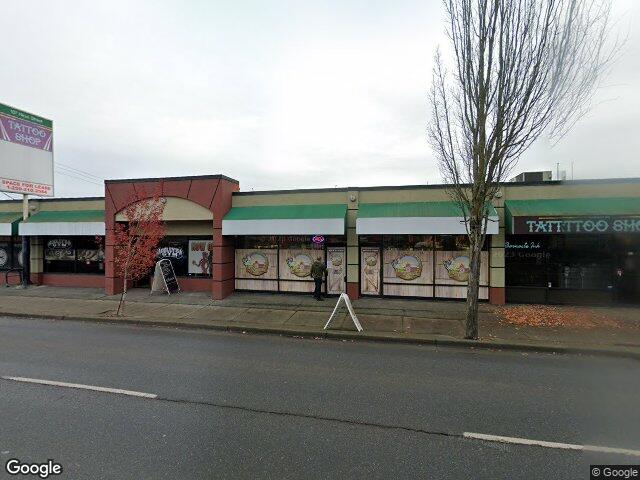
x=64 y=222
x=417 y=218
x=327 y=219
x=9 y=222
x=573 y=215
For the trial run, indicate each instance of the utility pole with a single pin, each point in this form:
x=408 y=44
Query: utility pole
x=26 y=270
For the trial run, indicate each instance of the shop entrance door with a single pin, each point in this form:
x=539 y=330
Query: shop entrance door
x=628 y=284
x=370 y=271
x=336 y=270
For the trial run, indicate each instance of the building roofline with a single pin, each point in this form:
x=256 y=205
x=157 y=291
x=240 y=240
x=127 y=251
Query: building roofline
x=157 y=179
x=438 y=186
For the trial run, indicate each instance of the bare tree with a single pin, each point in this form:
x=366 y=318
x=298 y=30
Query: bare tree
x=520 y=68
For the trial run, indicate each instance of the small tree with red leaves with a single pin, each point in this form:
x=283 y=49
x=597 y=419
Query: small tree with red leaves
x=136 y=241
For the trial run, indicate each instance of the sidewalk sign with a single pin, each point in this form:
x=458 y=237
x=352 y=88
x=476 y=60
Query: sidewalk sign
x=164 y=278
x=347 y=301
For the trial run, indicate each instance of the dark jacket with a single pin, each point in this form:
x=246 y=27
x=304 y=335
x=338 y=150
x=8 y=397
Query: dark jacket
x=318 y=269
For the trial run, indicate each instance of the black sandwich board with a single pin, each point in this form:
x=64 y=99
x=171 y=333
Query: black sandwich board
x=168 y=275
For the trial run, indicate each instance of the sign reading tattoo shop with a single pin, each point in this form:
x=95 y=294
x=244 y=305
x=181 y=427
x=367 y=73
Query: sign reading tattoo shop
x=579 y=225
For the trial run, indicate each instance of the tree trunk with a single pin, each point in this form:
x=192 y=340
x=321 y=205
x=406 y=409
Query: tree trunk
x=471 y=324
x=123 y=295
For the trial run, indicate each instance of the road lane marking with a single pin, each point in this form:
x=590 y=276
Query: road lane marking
x=470 y=435
x=81 y=386
x=545 y=444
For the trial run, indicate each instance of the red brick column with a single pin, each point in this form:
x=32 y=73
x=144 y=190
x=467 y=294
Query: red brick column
x=497 y=296
x=353 y=290
x=223 y=283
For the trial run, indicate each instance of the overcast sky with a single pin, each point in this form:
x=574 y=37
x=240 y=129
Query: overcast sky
x=277 y=94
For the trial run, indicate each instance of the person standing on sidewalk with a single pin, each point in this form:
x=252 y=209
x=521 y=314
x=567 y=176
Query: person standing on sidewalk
x=318 y=269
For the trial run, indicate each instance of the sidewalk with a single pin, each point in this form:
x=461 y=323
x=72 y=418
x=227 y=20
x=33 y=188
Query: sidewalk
x=414 y=321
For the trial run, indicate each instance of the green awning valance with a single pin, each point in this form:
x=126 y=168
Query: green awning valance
x=285 y=220
x=9 y=222
x=64 y=222
x=573 y=215
x=416 y=218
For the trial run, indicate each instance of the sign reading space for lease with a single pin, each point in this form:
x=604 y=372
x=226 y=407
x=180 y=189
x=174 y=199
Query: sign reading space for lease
x=26 y=152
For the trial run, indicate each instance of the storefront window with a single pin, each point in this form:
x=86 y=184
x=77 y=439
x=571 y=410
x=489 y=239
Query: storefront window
x=409 y=242
x=283 y=263
x=73 y=255
x=254 y=241
x=419 y=266
x=190 y=256
x=560 y=261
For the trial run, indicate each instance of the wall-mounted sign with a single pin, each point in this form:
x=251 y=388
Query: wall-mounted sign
x=579 y=225
x=170 y=252
x=318 y=239
x=59 y=243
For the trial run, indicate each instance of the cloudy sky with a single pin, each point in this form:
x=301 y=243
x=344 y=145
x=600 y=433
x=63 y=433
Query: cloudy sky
x=277 y=94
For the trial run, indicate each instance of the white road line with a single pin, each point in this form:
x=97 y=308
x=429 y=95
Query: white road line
x=81 y=386
x=542 y=443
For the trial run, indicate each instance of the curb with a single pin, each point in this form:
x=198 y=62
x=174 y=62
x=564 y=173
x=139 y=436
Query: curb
x=348 y=335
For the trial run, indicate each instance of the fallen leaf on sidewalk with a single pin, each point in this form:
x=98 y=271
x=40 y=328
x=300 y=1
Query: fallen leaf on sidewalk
x=556 y=316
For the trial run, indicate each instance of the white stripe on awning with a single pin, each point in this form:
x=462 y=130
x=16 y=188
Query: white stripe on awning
x=61 y=228
x=418 y=226
x=298 y=226
x=5 y=229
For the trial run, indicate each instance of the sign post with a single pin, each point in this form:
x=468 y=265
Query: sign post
x=26 y=243
x=347 y=301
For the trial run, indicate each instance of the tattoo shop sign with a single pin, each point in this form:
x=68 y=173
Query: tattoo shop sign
x=579 y=225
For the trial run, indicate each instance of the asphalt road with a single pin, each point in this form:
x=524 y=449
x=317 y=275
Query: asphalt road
x=253 y=406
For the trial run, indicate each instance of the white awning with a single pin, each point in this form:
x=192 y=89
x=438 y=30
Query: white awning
x=62 y=228
x=417 y=218
x=418 y=226
x=72 y=223
x=285 y=220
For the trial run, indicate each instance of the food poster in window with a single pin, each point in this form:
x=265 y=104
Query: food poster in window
x=256 y=269
x=336 y=270
x=295 y=263
x=175 y=252
x=408 y=272
x=408 y=266
x=59 y=249
x=295 y=268
x=452 y=267
x=200 y=257
x=370 y=271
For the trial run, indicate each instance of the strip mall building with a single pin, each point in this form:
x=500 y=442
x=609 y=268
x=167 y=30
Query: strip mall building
x=549 y=241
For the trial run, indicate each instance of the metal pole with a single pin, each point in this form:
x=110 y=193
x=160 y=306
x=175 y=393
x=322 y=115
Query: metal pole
x=25 y=244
